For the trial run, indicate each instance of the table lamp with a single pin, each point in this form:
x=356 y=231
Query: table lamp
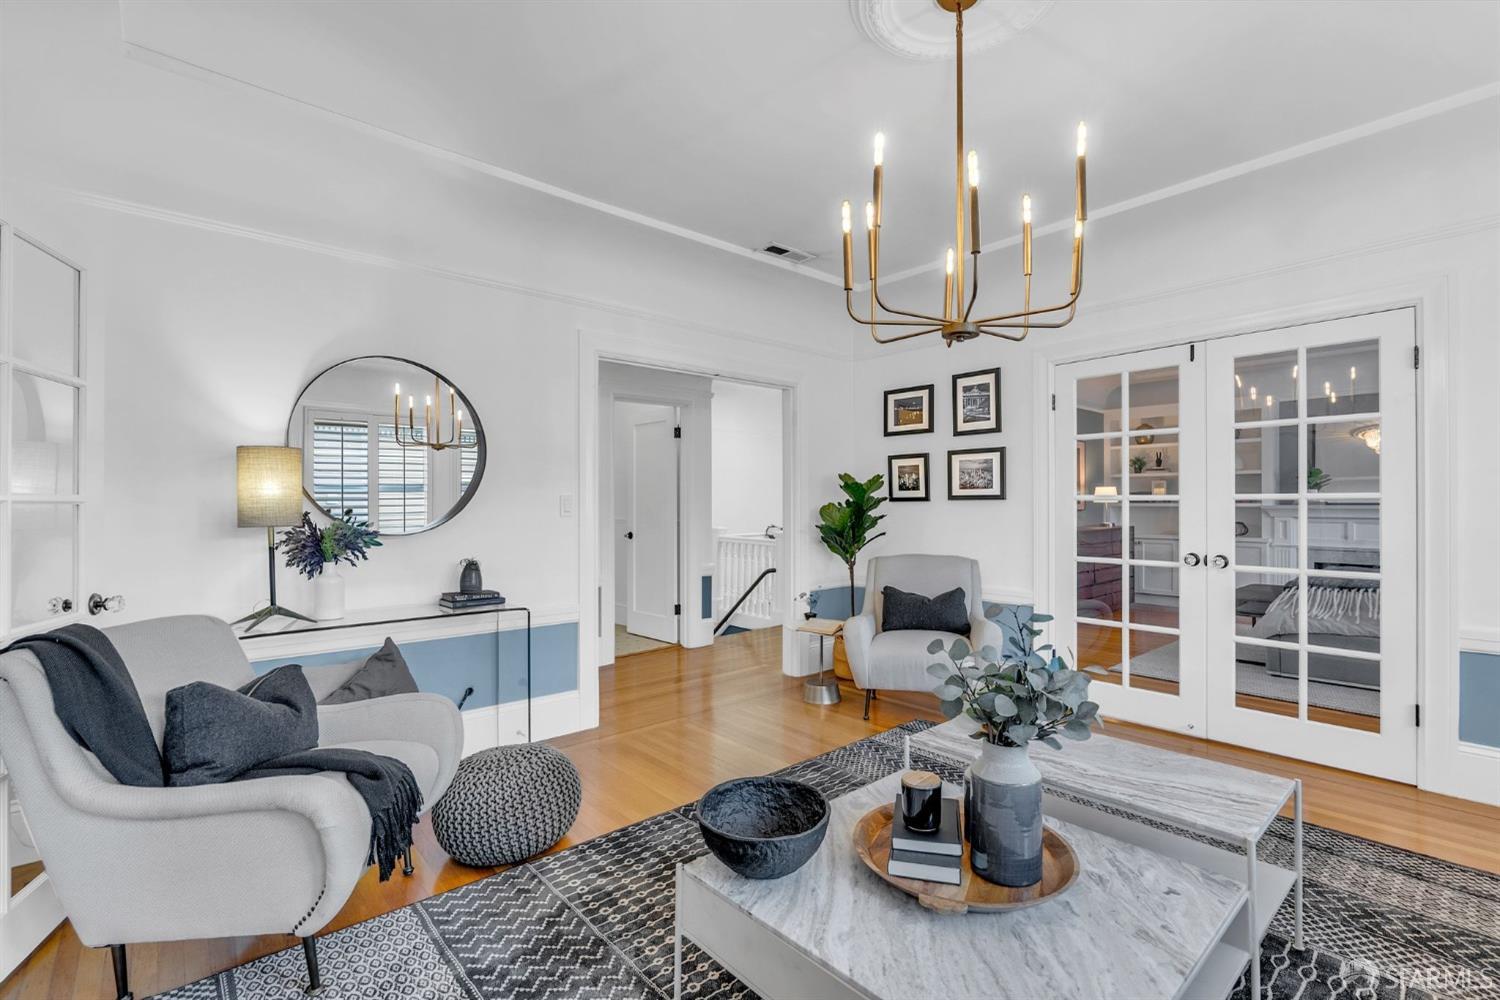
x=269 y=482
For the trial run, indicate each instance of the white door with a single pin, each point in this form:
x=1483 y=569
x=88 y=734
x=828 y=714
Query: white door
x=1128 y=507
x=1312 y=528
x=651 y=609
x=42 y=404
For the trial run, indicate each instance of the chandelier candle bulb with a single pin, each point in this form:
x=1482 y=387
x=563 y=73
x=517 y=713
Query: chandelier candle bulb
x=1081 y=184
x=948 y=288
x=1026 y=235
x=848 y=226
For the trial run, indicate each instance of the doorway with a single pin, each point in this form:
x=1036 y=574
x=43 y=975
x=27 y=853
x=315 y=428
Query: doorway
x=1235 y=527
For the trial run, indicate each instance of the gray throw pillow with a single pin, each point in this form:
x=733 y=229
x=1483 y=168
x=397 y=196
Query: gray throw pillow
x=908 y=612
x=213 y=734
x=384 y=673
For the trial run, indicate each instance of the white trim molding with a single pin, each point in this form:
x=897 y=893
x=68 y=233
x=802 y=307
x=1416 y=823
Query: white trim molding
x=552 y=715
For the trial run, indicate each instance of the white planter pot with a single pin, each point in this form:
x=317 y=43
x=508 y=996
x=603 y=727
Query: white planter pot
x=328 y=593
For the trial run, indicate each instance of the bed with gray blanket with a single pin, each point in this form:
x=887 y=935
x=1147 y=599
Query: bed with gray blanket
x=1340 y=615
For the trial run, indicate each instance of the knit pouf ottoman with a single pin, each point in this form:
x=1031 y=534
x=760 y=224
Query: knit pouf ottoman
x=507 y=804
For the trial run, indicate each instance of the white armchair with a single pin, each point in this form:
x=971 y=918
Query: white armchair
x=270 y=855
x=898 y=661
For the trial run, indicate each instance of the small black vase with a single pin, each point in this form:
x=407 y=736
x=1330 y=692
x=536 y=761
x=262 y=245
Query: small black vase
x=469 y=581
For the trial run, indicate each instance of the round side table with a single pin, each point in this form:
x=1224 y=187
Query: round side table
x=824 y=688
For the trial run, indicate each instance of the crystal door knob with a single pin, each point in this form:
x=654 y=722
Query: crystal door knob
x=1192 y=559
x=98 y=603
x=1221 y=562
x=59 y=606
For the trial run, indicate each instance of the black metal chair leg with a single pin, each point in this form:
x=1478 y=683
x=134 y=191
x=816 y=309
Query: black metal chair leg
x=122 y=973
x=406 y=867
x=314 y=980
x=869 y=693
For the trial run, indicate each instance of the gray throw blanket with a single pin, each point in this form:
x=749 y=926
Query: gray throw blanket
x=100 y=708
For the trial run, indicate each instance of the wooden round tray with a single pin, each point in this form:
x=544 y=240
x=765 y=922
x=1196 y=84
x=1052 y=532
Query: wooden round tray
x=872 y=840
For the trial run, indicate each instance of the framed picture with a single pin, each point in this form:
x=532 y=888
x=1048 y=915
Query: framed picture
x=906 y=477
x=976 y=474
x=976 y=402
x=908 y=411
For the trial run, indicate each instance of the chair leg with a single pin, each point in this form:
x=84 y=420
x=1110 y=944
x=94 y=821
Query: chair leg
x=406 y=867
x=314 y=980
x=869 y=693
x=122 y=973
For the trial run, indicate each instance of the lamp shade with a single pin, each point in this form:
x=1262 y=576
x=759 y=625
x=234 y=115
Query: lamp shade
x=269 y=481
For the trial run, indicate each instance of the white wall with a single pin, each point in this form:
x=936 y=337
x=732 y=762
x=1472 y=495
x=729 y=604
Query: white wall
x=747 y=457
x=235 y=248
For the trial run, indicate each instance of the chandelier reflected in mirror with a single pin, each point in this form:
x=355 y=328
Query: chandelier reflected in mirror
x=956 y=321
x=430 y=434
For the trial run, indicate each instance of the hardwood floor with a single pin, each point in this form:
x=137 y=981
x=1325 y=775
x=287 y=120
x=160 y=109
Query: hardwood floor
x=676 y=722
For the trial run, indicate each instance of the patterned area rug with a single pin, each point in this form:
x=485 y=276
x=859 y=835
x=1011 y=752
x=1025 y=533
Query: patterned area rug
x=595 y=921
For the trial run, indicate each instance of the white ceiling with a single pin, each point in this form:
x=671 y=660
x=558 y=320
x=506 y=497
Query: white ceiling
x=747 y=121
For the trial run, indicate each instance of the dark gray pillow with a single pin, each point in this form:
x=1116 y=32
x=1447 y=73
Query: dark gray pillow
x=944 y=613
x=213 y=734
x=384 y=673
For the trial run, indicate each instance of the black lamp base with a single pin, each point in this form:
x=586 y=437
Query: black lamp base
x=273 y=609
x=257 y=617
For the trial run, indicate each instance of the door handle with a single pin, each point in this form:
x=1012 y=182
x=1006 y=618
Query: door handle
x=630 y=536
x=98 y=603
x=1221 y=562
x=1192 y=559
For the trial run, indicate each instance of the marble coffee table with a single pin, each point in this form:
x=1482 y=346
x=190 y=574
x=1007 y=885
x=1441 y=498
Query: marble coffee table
x=1136 y=923
x=1201 y=811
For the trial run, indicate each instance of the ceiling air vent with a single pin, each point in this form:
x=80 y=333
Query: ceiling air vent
x=787 y=253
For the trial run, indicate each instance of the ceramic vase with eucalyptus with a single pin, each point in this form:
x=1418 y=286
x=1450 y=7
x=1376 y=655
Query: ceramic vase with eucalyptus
x=328 y=593
x=1003 y=816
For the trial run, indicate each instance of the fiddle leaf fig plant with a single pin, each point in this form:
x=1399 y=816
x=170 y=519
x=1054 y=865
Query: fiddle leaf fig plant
x=845 y=526
x=1015 y=696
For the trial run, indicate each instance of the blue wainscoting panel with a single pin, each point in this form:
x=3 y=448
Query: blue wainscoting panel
x=833 y=602
x=1479 y=698
x=708 y=597
x=451 y=664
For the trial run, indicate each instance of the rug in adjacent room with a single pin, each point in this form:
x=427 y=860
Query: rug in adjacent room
x=595 y=921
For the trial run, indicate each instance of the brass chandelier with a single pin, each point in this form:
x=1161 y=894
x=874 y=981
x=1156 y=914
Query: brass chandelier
x=431 y=435
x=956 y=322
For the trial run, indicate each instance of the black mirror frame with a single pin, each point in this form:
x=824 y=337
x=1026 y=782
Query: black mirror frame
x=474 y=422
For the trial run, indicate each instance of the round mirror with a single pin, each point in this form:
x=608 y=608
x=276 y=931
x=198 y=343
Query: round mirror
x=389 y=439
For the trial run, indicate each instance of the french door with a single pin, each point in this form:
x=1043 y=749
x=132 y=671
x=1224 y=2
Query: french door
x=1130 y=483
x=1235 y=540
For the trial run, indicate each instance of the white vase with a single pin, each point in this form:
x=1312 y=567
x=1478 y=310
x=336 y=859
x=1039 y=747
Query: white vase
x=328 y=593
x=1003 y=815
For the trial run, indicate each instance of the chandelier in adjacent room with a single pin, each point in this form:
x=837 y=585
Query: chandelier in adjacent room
x=956 y=320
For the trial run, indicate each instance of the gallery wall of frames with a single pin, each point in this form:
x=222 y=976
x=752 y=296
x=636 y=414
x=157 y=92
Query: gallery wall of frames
x=974 y=473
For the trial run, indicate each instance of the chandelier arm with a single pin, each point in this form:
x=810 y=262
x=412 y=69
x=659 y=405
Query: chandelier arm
x=905 y=336
x=974 y=288
x=876 y=321
x=899 y=312
x=1026 y=323
x=1005 y=336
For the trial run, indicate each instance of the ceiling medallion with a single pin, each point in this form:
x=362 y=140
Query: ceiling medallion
x=920 y=29
x=956 y=322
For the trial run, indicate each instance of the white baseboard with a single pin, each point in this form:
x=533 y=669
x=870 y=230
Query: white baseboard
x=551 y=715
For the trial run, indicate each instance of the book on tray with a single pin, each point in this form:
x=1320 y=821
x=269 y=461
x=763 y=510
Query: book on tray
x=945 y=868
x=947 y=840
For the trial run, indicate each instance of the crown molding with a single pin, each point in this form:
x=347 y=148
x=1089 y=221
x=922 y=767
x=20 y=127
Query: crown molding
x=1436 y=234
x=181 y=67
x=157 y=213
x=1431 y=109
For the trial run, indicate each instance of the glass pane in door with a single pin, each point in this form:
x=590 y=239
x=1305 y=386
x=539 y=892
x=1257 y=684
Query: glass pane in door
x=44 y=431
x=1343 y=378
x=44 y=309
x=43 y=548
x=1265 y=386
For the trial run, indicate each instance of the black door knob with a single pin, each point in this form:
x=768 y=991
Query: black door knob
x=630 y=536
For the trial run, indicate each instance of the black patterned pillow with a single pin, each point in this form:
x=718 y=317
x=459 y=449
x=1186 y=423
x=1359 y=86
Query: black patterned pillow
x=906 y=612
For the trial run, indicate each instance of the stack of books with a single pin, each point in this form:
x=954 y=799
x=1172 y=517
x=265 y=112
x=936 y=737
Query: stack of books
x=455 y=600
x=930 y=857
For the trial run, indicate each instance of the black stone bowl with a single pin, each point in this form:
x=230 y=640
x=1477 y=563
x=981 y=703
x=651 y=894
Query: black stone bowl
x=763 y=827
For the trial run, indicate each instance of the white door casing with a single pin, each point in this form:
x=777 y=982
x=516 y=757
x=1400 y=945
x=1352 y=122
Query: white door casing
x=1354 y=541
x=651 y=608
